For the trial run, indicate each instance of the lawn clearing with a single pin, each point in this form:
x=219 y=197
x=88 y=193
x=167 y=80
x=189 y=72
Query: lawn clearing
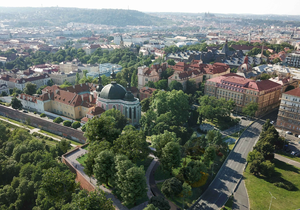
x=82 y=159
x=59 y=137
x=258 y=189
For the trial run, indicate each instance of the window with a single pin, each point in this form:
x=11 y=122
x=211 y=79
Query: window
x=134 y=113
x=130 y=113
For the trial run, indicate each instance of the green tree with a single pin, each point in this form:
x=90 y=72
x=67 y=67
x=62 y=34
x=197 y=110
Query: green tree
x=171 y=62
x=159 y=202
x=120 y=119
x=209 y=154
x=254 y=167
x=175 y=85
x=16 y=103
x=58 y=120
x=265 y=76
x=186 y=192
x=191 y=86
x=65 y=84
x=77 y=79
x=192 y=172
x=30 y=88
x=145 y=103
x=50 y=82
x=76 y=125
x=104 y=168
x=101 y=128
x=57 y=184
x=122 y=164
x=254 y=155
x=171 y=187
x=94 y=200
x=132 y=143
x=135 y=186
x=95 y=149
x=171 y=156
x=161 y=140
x=267 y=168
x=67 y=123
x=250 y=109
x=63 y=146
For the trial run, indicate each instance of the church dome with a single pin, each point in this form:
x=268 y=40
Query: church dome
x=129 y=97
x=113 y=91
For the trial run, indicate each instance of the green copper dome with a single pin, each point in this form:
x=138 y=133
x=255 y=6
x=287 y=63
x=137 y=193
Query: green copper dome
x=113 y=91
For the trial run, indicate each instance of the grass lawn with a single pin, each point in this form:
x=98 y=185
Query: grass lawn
x=229 y=203
x=230 y=146
x=287 y=155
x=258 y=189
x=17 y=122
x=146 y=163
x=82 y=159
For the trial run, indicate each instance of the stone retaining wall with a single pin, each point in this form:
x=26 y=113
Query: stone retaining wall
x=36 y=121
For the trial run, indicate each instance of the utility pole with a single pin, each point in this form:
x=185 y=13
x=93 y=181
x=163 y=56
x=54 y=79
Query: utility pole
x=271 y=200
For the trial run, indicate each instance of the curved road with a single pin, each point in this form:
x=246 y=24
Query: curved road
x=231 y=171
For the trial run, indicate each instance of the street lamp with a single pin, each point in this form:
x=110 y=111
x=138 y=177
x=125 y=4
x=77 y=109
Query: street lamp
x=271 y=200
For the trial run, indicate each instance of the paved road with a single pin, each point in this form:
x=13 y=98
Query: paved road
x=231 y=172
x=240 y=198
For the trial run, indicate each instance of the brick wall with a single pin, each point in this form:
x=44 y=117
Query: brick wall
x=84 y=184
x=43 y=124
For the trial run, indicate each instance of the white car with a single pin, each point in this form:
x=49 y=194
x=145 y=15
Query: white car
x=272 y=122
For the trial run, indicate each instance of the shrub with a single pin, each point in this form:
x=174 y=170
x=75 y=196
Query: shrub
x=83 y=128
x=58 y=120
x=76 y=124
x=220 y=154
x=285 y=185
x=43 y=115
x=67 y=123
x=34 y=112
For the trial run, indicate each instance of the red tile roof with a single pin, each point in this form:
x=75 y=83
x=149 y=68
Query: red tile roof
x=95 y=111
x=294 y=92
x=147 y=90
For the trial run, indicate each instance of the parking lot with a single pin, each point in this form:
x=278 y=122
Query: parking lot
x=294 y=142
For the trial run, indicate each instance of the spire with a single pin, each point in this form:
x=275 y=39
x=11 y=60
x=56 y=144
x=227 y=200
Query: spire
x=112 y=75
x=225 y=48
x=100 y=86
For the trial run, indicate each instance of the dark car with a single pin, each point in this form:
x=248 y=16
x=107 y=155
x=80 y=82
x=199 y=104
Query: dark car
x=25 y=111
x=296 y=135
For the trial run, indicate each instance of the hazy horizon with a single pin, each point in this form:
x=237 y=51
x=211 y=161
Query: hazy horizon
x=254 y=7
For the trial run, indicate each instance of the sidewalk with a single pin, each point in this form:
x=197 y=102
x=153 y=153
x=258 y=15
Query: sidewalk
x=287 y=160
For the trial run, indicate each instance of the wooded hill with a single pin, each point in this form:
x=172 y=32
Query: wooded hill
x=60 y=16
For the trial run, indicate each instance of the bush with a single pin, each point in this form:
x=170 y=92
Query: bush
x=43 y=115
x=58 y=120
x=83 y=128
x=285 y=185
x=67 y=123
x=76 y=124
x=35 y=113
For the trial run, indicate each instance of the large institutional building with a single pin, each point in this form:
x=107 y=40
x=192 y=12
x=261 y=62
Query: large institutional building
x=289 y=111
x=243 y=91
x=85 y=101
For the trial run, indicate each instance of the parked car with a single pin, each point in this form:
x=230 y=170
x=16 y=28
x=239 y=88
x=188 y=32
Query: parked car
x=297 y=154
x=289 y=132
x=25 y=111
x=296 y=135
x=244 y=118
x=293 y=153
x=272 y=122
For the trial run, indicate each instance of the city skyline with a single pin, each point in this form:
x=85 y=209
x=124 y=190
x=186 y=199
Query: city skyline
x=190 y=6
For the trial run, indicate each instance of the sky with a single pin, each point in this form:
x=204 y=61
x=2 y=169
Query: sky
x=187 y=6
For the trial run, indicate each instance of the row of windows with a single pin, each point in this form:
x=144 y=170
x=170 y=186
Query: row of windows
x=65 y=113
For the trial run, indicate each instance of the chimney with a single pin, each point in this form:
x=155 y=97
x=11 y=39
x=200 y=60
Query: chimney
x=80 y=85
x=147 y=88
x=74 y=86
x=91 y=98
x=82 y=97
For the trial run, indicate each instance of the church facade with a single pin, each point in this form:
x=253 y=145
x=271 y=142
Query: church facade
x=115 y=96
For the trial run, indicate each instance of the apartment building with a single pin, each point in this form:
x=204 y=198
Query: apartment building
x=289 y=111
